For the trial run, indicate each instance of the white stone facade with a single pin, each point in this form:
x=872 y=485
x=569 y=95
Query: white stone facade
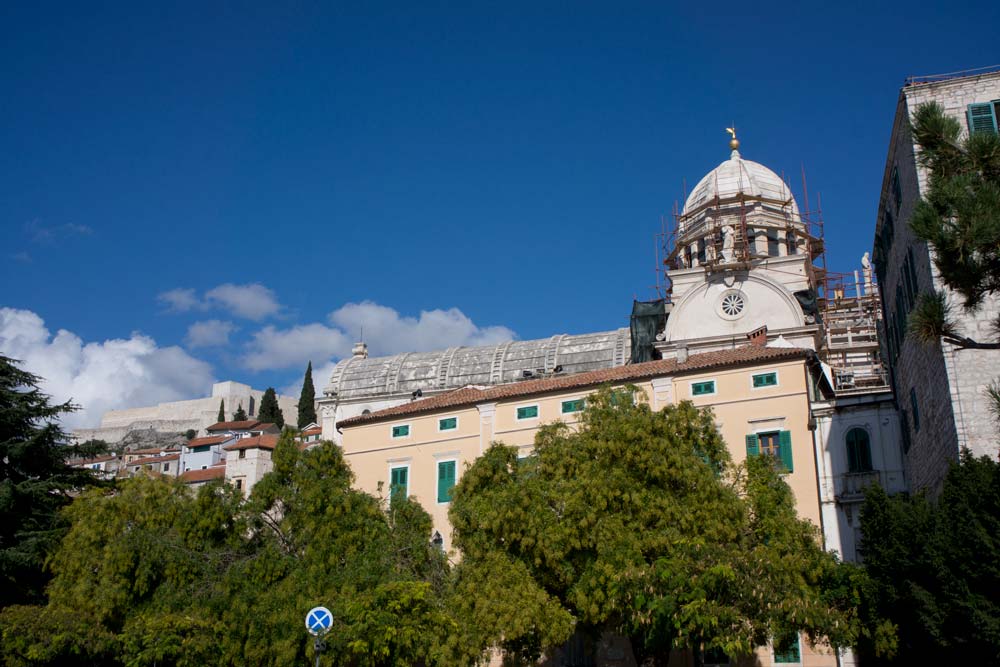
x=179 y=416
x=939 y=388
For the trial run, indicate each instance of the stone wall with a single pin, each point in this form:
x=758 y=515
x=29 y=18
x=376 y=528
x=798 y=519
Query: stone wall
x=937 y=386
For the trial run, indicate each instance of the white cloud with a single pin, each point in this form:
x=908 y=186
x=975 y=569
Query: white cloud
x=100 y=376
x=209 y=333
x=181 y=300
x=283 y=348
x=40 y=233
x=386 y=332
x=253 y=301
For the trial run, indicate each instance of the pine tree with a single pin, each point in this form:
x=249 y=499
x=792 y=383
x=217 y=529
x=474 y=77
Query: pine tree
x=35 y=481
x=307 y=399
x=269 y=410
x=222 y=410
x=240 y=415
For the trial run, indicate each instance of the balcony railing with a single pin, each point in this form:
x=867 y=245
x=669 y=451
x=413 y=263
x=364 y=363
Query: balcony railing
x=851 y=486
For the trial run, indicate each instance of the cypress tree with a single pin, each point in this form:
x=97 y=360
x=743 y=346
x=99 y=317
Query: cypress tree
x=222 y=410
x=269 y=410
x=240 y=415
x=307 y=399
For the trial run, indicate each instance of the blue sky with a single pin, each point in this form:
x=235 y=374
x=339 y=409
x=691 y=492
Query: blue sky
x=197 y=192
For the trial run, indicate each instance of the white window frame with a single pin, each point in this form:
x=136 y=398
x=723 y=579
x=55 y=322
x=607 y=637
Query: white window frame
x=777 y=380
x=409 y=431
x=798 y=638
x=437 y=475
x=458 y=423
x=538 y=412
x=404 y=463
x=715 y=387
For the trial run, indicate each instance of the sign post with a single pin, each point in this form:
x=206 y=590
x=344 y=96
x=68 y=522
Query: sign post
x=319 y=620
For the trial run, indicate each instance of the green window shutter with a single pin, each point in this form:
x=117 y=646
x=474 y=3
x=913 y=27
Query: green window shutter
x=572 y=406
x=401 y=431
x=785 y=449
x=852 y=451
x=446 y=480
x=787 y=650
x=527 y=412
x=448 y=424
x=765 y=380
x=982 y=118
x=399 y=482
x=753 y=445
x=703 y=388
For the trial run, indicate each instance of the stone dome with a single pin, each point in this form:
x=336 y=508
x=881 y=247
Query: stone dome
x=735 y=176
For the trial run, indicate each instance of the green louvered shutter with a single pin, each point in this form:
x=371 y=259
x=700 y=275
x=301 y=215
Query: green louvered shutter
x=982 y=118
x=753 y=445
x=446 y=480
x=785 y=449
x=398 y=482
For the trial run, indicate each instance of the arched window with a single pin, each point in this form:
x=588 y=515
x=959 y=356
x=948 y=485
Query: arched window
x=859 y=451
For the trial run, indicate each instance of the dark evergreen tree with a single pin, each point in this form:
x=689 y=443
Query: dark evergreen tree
x=36 y=481
x=240 y=415
x=222 y=410
x=934 y=568
x=269 y=410
x=307 y=399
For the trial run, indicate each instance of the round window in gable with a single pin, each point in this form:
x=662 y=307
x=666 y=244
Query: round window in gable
x=732 y=304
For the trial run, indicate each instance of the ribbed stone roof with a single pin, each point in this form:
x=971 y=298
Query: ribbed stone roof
x=454 y=367
x=736 y=176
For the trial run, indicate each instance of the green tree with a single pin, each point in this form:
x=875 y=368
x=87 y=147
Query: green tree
x=307 y=399
x=35 y=481
x=639 y=524
x=269 y=410
x=934 y=567
x=222 y=410
x=240 y=415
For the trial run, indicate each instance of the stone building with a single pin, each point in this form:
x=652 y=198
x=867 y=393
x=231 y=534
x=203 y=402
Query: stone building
x=939 y=387
x=180 y=416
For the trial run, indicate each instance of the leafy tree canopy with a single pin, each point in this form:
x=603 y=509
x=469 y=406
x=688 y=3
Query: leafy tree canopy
x=240 y=415
x=638 y=523
x=222 y=410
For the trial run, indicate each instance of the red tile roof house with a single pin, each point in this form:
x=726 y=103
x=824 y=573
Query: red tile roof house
x=249 y=459
x=202 y=476
x=243 y=429
x=163 y=464
x=201 y=453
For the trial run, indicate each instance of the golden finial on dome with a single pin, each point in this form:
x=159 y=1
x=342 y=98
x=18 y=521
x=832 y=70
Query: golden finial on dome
x=734 y=143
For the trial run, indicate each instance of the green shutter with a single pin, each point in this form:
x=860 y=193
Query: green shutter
x=787 y=650
x=753 y=445
x=398 y=484
x=446 y=480
x=401 y=431
x=703 y=388
x=982 y=118
x=527 y=412
x=572 y=406
x=785 y=449
x=765 y=380
x=448 y=424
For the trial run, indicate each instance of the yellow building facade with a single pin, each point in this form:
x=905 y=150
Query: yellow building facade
x=760 y=397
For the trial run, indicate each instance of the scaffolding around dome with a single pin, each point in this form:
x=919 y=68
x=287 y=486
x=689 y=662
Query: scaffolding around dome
x=742 y=216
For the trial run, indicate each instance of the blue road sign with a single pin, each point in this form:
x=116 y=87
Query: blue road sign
x=319 y=620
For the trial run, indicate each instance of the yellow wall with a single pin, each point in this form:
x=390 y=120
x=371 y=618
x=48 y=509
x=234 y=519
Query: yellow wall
x=739 y=408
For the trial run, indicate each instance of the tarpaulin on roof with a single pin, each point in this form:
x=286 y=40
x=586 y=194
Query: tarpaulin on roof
x=648 y=319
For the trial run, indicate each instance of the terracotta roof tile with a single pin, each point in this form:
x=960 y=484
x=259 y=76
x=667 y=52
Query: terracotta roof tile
x=245 y=425
x=210 y=440
x=265 y=441
x=313 y=431
x=99 y=459
x=747 y=354
x=154 y=459
x=204 y=475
